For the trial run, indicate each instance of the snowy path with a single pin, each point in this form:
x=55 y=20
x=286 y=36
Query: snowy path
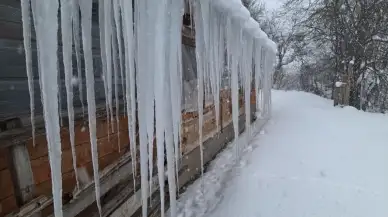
x=311 y=160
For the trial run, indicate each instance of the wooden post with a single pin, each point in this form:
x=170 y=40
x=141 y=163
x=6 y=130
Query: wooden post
x=21 y=173
x=22 y=177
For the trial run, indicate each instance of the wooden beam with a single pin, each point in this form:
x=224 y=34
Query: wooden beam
x=33 y=208
x=114 y=175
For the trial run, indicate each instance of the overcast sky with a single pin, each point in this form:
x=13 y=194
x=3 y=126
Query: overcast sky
x=272 y=4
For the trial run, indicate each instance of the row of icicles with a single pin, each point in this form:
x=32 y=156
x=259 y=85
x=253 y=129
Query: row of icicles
x=140 y=49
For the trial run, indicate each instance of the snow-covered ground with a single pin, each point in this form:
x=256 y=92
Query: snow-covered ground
x=310 y=160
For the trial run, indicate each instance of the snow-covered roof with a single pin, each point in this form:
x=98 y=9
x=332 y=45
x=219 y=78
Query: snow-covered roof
x=240 y=13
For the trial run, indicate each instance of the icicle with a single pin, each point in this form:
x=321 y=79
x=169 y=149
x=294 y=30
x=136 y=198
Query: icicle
x=191 y=14
x=220 y=68
x=264 y=87
x=170 y=150
x=175 y=73
x=26 y=18
x=86 y=21
x=234 y=82
x=77 y=46
x=108 y=53
x=148 y=33
x=247 y=74
x=261 y=82
x=142 y=75
x=258 y=76
x=160 y=111
x=101 y=22
x=214 y=31
x=119 y=34
x=116 y=87
x=34 y=6
x=200 y=43
x=66 y=25
x=60 y=98
x=46 y=28
x=151 y=22
x=127 y=14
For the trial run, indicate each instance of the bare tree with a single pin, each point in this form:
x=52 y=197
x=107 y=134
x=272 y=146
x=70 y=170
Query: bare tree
x=282 y=31
x=356 y=35
x=289 y=39
x=256 y=8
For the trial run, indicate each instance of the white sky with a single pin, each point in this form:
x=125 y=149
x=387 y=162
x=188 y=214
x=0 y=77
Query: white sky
x=272 y=4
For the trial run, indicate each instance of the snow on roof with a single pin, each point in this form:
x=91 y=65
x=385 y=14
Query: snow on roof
x=240 y=13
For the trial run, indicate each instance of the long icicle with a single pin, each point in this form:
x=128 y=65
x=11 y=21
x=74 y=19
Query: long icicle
x=26 y=18
x=119 y=34
x=101 y=22
x=150 y=94
x=247 y=62
x=200 y=74
x=86 y=21
x=66 y=25
x=130 y=90
x=170 y=150
x=116 y=87
x=257 y=77
x=176 y=75
x=142 y=74
x=108 y=52
x=34 y=10
x=77 y=47
x=159 y=98
x=46 y=28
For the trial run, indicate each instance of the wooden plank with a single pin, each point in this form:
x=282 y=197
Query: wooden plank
x=133 y=204
x=122 y=170
x=32 y=208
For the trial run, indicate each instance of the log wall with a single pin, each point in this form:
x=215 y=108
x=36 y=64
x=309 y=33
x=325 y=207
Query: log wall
x=7 y=195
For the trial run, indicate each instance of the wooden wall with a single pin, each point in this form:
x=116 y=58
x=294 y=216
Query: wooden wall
x=7 y=195
x=190 y=120
x=108 y=152
x=214 y=142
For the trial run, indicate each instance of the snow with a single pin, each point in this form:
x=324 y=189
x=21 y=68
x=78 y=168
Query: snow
x=339 y=84
x=312 y=159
